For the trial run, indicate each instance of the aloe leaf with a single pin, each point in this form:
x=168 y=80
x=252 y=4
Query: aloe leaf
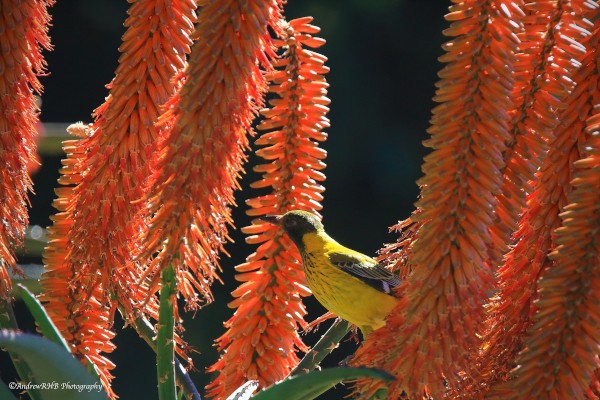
x=52 y=365
x=310 y=385
x=244 y=392
x=9 y=321
x=47 y=327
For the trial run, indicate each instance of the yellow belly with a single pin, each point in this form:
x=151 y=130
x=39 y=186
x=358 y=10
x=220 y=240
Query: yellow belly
x=346 y=296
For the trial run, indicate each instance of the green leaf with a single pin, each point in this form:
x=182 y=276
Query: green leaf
x=36 y=309
x=52 y=365
x=9 y=321
x=244 y=392
x=310 y=385
x=47 y=327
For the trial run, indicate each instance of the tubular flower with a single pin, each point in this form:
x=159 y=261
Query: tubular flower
x=537 y=93
x=432 y=331
x=75 y=310
x=105 y=172
x=565 y=336
x=262 y=337
x=397 y=255
x=202 y=151
x=509 y=312
x=123 y=140
x=593 y=391
x=23 y=35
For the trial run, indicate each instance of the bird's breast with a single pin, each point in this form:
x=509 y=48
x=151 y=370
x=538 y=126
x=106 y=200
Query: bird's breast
x=345 y=295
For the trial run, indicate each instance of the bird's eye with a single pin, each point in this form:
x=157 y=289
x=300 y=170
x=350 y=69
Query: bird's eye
x=289 y=223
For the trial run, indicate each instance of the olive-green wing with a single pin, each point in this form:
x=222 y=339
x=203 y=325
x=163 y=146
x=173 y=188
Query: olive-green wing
x=366 y=269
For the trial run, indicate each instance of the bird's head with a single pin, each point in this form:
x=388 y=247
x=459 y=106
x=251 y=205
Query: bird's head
x=296 y=224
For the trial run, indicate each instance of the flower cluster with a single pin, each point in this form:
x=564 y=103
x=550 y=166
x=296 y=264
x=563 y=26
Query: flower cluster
x=105 y=175
x=262 y=336
x=23 y=35
x=204 y=133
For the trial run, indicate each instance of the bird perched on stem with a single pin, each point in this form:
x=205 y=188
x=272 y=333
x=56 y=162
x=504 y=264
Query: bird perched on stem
x=349 y=284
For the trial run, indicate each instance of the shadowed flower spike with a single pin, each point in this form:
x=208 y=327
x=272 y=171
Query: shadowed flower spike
x=510 y=311
x=430 y=335
x=565 y=336
x=79 y=316
x=262 y=338
x=106 y=172
x=23 y=35
x=201 y=153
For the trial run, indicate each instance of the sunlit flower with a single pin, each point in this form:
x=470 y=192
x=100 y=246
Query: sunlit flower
x=106 y=172
x=201 y=152
x=79 y=316
x=565 y=336
x=531 y=122
x=509 y=313
x=396 y=255
x=430 y=335
x=594 y=389
x=262 y=336
x=23 y=35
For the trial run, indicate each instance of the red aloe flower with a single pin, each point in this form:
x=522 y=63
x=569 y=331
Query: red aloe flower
x=75 y=310
x=397 y=255
x=89 y=255
x=510 y=311
x=123 y=140
x=262 y=336
x=564 y=338
x=201 y=154
x=530 y=127
x=430 y=335
x=23 y=34
x=593 y=391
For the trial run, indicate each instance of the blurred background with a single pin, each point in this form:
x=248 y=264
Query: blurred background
x=383 y=60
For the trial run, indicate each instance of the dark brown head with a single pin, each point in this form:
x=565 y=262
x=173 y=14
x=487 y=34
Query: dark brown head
x=296 y=224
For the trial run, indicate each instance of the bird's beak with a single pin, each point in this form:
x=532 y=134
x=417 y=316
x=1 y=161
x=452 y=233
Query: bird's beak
x=272 y=219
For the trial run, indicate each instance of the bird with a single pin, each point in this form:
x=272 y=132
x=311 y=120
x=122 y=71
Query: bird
x=350 y=284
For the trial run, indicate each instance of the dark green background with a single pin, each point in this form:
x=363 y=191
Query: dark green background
x=383 y=60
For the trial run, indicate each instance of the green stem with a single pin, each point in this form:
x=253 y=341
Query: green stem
x=146 y=331
x=8 y=321
x=165 y=341
x=324 y=346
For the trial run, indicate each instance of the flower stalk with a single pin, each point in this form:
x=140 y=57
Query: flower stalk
x=165 y=341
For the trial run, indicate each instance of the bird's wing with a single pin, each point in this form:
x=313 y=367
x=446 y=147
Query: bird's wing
x=366 y=269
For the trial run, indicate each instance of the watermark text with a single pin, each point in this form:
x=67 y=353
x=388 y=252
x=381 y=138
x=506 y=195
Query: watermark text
x=55 y=386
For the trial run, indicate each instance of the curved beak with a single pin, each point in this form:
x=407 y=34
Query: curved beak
x=272 y=219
